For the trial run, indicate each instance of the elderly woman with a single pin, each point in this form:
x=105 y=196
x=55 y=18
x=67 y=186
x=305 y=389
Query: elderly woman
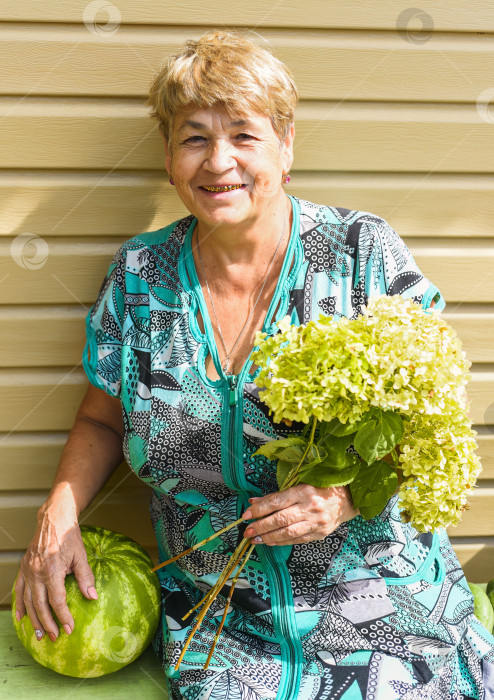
x=329 y=605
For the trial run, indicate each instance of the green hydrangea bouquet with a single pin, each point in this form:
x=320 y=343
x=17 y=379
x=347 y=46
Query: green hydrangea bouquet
x=383 y=399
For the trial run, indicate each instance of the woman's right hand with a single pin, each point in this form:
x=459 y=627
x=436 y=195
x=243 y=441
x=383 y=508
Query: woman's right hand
x=56 y=550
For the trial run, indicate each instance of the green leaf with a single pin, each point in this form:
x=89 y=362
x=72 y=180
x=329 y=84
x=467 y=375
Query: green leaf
x=379 y=435
x=336 y=456
x=336 y=427
x=315 y=455
x=292 y=454
x=323 y=477
x=373 y=487
x=272 y=449
x=283 y=470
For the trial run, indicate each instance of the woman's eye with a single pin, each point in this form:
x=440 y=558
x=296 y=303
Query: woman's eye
x=244 y=137
x=195 y=139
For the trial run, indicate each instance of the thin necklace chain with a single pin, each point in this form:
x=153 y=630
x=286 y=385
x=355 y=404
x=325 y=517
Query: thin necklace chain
x=271 y=262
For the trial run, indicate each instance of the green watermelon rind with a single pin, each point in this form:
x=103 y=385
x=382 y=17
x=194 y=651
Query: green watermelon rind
x=95 y=649
x=483 y=609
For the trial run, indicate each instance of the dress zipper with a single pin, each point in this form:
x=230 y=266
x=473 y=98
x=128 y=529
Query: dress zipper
x=232 y=393
x=272 y=561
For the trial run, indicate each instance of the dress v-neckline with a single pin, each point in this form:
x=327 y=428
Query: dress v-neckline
x=190 y=280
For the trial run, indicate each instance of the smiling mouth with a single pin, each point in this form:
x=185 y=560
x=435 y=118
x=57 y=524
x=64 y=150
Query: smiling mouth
x=225 y=188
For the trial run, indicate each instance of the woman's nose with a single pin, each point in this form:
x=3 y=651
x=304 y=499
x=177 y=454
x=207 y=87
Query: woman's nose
x=220 y=157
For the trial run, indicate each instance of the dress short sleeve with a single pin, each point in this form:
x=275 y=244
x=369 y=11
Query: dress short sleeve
x=103 y=350
x=388 y=266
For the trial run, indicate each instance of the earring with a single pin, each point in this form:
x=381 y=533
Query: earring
x=285 y=178
x=171 y=181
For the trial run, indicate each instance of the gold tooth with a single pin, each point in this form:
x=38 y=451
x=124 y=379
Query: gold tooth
x=227 y=188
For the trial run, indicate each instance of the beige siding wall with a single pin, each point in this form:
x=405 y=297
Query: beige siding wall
x=394 y=119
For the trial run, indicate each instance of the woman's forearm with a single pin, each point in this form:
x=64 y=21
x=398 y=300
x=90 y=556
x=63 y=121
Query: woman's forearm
x=92 y=453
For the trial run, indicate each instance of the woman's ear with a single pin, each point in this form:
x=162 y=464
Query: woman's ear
x=168 y=159
x=288 y=148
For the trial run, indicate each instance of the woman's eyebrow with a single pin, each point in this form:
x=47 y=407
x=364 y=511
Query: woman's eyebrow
x=242 y=122
x=194 y=125
x=199 y=125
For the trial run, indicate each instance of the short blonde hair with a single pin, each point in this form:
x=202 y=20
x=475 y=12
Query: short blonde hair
x=223 y=67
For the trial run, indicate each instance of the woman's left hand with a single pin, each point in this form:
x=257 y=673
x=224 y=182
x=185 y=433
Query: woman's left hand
x=301 y=514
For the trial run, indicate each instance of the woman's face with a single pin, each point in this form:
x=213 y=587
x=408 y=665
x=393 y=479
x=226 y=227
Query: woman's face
x=210 y=151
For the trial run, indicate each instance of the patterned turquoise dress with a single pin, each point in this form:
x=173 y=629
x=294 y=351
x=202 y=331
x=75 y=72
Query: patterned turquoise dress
x=375 y=611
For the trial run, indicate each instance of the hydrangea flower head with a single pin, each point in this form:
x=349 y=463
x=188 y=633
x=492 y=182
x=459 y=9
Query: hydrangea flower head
x=394 y=357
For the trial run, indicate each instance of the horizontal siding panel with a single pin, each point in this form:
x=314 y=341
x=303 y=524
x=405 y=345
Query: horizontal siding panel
x=117 y=134
x=326 y=65
x=464 y=275
x=476 y=558
x=485 y=441
x=123 y=511
x=479 y=519
x=71 y=271
x=48 y=399
x=9 y=566
x=126 y=510
x=49 y=337
x=392 y=138
x=92 y=205
x=55 y=336
x=32 y=460
x=123 y=204
x=460 y=15
x=481 y=395
x=43 y=400
x=476 y=331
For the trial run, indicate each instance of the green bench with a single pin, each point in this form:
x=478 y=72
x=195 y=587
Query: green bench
x=23 y=678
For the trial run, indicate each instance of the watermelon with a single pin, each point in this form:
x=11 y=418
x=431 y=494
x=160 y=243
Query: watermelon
x=110 y=632
x=482 y=606
x=489 y=589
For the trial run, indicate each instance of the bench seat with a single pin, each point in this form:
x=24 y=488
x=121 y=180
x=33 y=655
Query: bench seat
x=23 y=678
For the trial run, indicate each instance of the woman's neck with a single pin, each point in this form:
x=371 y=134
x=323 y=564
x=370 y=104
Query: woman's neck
x=248 y=243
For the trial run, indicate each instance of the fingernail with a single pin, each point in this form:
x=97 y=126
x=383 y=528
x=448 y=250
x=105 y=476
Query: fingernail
x=17 y=615
x=52 y=636
x=92 y=593
x=257 y=539
x=247 y=515
x=67 y=629
x=249 y=532
x=39 y=634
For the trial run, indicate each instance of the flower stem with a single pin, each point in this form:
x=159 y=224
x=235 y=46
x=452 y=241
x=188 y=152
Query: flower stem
x=214 y=590
x=219 y=583
x=292 y=476
x=246 y=552
x=212 y=595
x=199 y=544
